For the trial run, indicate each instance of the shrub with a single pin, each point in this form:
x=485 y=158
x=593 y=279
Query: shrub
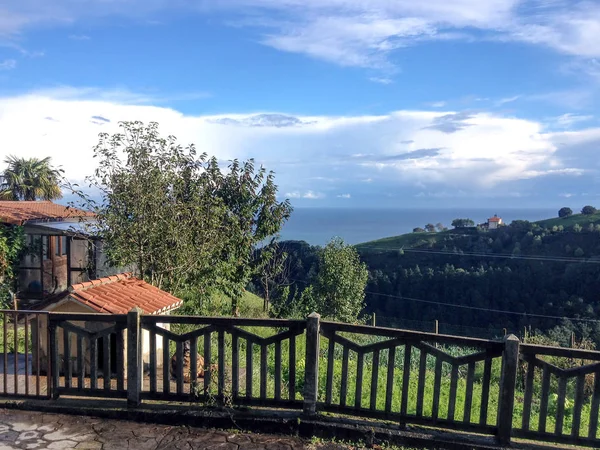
x=565 y=212
x=588 y=210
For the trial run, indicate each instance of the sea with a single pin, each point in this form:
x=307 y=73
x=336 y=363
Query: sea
x=317 y=226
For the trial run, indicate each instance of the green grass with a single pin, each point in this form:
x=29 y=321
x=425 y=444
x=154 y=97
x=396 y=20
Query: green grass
x=568 y=222
x=407 y=240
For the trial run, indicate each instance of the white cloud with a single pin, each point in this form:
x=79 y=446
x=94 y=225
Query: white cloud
x=381 y=80
x=8 y=64
x=505 y=100
x=439 y=104
x=344 y=196
x=480 y=151
x=79 y=37
x=569 y=119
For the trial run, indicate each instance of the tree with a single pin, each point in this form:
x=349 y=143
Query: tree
x=175 y=218
x=565 y=212
x=430 y=228
x=339 y=287
x=440 y=226
x=462 y=223
x=273 y=271
x=12 y=244
x=418 y=230
x=588 y=210
x=30 y=179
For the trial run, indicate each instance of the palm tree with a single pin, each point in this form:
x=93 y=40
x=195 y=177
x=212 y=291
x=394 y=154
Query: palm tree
x=30 y=179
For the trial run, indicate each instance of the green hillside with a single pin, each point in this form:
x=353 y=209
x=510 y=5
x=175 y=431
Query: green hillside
x=568 y=222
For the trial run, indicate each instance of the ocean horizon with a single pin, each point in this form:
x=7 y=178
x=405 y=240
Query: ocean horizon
x=317 y=226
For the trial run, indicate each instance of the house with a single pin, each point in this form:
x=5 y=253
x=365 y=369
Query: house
x=60 y=249
x=116 y=294
x=494 y=222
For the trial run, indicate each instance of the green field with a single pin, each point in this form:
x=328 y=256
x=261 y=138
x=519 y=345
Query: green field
x=568 y=222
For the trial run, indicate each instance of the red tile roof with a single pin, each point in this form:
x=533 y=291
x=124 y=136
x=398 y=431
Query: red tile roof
x=19 y=212
x=118 y=294
x=495 y=219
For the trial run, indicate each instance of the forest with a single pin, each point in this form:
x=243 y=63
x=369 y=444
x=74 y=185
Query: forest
x=523 y=277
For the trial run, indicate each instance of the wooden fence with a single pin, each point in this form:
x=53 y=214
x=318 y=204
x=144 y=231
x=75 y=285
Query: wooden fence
x=496 y=387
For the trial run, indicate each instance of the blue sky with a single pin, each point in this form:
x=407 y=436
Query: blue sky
x=352 y=103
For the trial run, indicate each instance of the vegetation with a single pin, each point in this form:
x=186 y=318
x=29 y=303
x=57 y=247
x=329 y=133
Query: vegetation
x=30 y=179
x=463 y=223
x=588 y=210
x=565 y=212
x=12 y=243
x=177 y=218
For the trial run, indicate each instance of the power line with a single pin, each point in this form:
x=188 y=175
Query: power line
x=477 y=308
x=491 y=255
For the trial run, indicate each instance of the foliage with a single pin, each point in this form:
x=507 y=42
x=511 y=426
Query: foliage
x=462 y=223
x=430 y=228
x=565 y=212
x=339 y=286
x=272 y=272
x=30 y=179
x=418 y=230
x=12 y=243
x=175 y=217
x=588 y=210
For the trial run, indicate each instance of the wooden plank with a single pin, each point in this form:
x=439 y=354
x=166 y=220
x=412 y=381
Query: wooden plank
x=329 y=379
x=90 y=317
x=413 y=336
x=544 y=399
x=593 y=428
x=263 y=372
x=67 y=367
x=179 y=367
x=153 y=365
x=93 y=363
x=221 y=364
x=38 y=346
x=292 y=368
x=360 y=363
x=55 y=372
x=344 y=385
x=453 y=387
x=405 y=379
x=485 y=391
x=235 y=366
x=5 y=346
x=207 y=363
x=219 y=321
x=26 y=326
x=389 y=389
x=16 y=353
x=249 y=369
x=530 y=349
x=528 y=394
x=421 y=386
x=194 y=367
x=374 y=380
x=107 y=369
x=435 y=409
x=578 y=406
x=120 y=360
x=469 y=392
x=80 y=363
x=560 y=405
x=278 y=370
x=166 y=364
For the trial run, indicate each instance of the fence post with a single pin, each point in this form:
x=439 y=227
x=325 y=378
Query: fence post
x=134 y=360
x=508 y=381
x=53 y=358
x=311 y=373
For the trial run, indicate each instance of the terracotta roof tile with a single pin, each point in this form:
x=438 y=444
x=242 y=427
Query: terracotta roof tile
x=17 y=212
x=118 y=294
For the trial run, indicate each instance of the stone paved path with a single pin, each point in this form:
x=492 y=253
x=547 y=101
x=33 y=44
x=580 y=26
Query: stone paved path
x=33 y=430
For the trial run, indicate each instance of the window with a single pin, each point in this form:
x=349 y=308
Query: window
x=63 y=245
x=46 y=247
x=57 y=245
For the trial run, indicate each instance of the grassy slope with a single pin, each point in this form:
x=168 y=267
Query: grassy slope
x=409 y=240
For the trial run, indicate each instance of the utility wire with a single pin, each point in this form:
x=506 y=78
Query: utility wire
x=476 y=308
x=490 y=255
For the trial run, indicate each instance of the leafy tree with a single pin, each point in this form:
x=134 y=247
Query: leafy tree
x=30 y=179
x=440 y=226
x=175 y=218
x=273 y=271
x=430 y=228
x=12 y=243
x=565 y=212
x=339 y=287
x=462 y=223
x=577 y=228
x=418 y=230
x=588 y=210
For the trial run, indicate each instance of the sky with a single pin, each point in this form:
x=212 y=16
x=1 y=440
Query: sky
x=353 y=103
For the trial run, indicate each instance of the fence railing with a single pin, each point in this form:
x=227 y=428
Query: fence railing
x=495 y=387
